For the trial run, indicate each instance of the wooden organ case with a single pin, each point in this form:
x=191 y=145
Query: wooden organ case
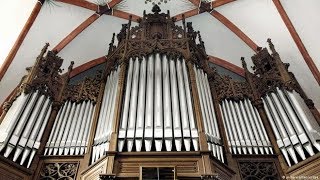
x=159 y=111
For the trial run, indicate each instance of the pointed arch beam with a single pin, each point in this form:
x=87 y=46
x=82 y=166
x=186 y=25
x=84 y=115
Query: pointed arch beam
x=218 y=3
x=20 y=38
x=307 y=58
x=226 y=64
x=75 y=32
x=187 y=14
x=235 y=30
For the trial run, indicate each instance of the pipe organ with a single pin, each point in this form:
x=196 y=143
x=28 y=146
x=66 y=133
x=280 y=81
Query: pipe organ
x=106 y=116
x=246 y=133
x=156 y=107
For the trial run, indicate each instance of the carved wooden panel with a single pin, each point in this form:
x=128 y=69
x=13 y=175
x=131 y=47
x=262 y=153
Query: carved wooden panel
x=255 y=170
x=59 y=170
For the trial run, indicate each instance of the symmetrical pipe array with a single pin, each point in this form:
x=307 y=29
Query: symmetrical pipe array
x=22 y=128
x=245 y=131
x=70 y=132
x=106 y=117
x=295 y=128
x=157 y=106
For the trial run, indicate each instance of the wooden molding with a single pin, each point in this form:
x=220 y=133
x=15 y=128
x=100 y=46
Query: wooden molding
x=81 y=3
x=235 y=29
x=124 y=15
x=220 y=3
x=87 y=66
x=196 y=2
x=225 y=64
x=76 y=32
x=20 y=39
x=313 y=68
x=187 y=14
x=113 y=3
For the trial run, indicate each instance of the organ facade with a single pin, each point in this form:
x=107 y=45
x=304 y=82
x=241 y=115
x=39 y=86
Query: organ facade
x=159 y=110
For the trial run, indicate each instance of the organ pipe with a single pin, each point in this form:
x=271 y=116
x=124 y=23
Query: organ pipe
x=158 y=85
x=106 y=117
x=287 y=119
x=243 y=125
x=168 y=134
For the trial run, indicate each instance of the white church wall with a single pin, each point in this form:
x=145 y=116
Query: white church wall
x=219 y=40
x=260 y=20
x=304 y=16
x=53 y=23
x=93 y=42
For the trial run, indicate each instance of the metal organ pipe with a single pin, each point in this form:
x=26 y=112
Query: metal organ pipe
x=203 y=109
x=133 y=106
x=291 y=122
x=157 y=106
x=168 y=134
x=68 y=128
x=148 y=126
x=141 y=106
x=105 y=120
x=11 y=118
x=22 y=121
x=21 y=129
x=158 y=109
x=124 y=120
x=193 y=128
x=183 y=108
x=208 y=114
x=175 y=106
x=244 y=128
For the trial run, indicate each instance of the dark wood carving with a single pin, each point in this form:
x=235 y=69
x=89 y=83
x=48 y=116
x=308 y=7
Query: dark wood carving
x=45 y=76
x=251 y=170
x=156 y=32
x=59 y=171
x=88 y=89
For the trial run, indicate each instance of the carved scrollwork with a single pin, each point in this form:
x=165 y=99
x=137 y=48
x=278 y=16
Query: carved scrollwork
x=157 y=32
x=227 y=88
x=45 y=77
x=270 y=72
x=258 y=170
x=88 y=89
x=59 y=171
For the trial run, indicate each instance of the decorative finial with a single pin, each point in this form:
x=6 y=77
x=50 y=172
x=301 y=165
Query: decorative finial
x=244 y=64
x=271 y=46
x=156 y=9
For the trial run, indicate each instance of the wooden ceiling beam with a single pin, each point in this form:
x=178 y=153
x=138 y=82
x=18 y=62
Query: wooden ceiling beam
x=124 y=15
x=87 y=65
x=195 y=2
x=20 y=38
x=227 y=65
x=113 y=3
x=235 y=30
x=218 y=3
x=81 y=3
x=187 y=14
x=76 y=32
x=307 y=58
